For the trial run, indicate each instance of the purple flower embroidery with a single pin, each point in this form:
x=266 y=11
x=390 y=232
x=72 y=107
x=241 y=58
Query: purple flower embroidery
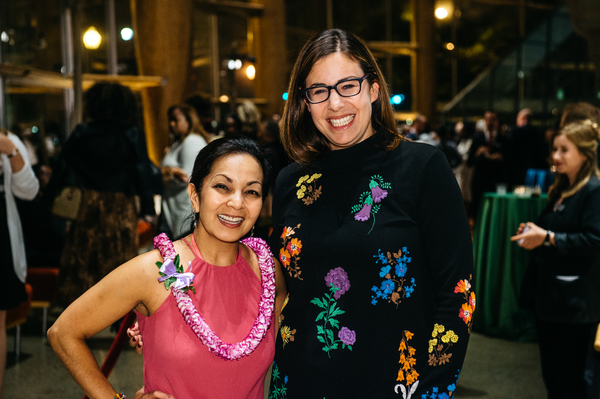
x=365 y=212
x=377 y=192
x=347 y=336
x=339 y=278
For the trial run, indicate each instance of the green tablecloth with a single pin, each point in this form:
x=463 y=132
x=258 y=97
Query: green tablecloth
x=500 y=265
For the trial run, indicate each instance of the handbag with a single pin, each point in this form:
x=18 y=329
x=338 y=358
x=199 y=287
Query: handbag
x=597 y=340
x=66 y=204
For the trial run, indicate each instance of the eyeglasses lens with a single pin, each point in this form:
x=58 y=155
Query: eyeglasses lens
x=347 y=88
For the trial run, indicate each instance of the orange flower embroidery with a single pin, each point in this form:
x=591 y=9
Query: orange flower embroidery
x=466 y=313
x=294 y=246
x=290 y=251
x=284 y=255
x=462 y=286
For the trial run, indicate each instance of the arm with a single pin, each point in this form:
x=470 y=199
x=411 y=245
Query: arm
x=24 y=184
x=586 y=239
x=132 y=285
x=280 y=292
x=445 y=235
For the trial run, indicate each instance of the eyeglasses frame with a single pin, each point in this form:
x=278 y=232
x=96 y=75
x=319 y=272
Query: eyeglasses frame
x=334 y=87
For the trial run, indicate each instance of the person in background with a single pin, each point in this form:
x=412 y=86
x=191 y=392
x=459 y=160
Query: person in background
x=373 y=236
x=463 y=172
x=528 y=148
x=561 y=282
x=488 y=156
x=250 y=119
x=16 y=180
x=187 y=139
x=204 y=110
x=208 y=325
x=579 y=112
x=106 y=158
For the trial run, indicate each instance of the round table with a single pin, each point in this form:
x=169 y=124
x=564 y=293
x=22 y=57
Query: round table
x=500 y=265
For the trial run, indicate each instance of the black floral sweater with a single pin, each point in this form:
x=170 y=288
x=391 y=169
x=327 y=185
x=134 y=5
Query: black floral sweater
x=377 y=255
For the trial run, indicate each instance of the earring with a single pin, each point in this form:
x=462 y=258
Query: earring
x=252 y=232
x=196 y=217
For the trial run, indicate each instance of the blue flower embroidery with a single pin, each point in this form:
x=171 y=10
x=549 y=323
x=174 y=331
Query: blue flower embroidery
x=394 y=287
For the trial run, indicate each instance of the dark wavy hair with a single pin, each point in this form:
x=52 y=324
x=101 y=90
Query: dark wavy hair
x=110 y=101
x=299 y=136
x=228 y=146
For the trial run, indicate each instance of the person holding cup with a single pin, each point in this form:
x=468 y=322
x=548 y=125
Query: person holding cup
x=561 y=282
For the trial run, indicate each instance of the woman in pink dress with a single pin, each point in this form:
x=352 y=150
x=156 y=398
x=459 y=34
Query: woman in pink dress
x=207 y=304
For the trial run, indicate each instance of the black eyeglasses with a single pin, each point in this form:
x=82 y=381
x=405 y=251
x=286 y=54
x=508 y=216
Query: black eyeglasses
x=345 y=88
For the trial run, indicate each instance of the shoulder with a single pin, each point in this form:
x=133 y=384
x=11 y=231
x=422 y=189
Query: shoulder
x=16 y=141
x=414 y=154
x=592 y=186
x=194 y=139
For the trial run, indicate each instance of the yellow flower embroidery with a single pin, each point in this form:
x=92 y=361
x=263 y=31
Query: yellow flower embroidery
x=308 y=191
x=438 y=351
x=287 y=334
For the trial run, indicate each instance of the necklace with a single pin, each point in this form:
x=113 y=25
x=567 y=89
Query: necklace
x=197 y=322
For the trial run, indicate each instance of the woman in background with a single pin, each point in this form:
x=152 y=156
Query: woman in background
x=561 y=283
x=16 y=180
x=188 y=138
x=106 y=158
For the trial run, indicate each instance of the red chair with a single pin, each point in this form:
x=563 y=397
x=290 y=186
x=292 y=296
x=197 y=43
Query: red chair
x=17 y=316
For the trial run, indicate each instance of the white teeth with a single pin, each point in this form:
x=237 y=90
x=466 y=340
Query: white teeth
x=342 y=121
x=230 y=219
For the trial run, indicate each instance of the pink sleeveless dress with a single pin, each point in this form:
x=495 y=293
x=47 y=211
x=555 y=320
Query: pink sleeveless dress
x=178 y=363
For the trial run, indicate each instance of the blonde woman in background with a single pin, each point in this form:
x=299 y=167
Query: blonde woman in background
x=561 y=284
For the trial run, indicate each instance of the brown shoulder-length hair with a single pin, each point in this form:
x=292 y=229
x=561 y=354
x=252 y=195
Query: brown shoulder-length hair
x=191 y=117
x=299 y=136
x=584 y=134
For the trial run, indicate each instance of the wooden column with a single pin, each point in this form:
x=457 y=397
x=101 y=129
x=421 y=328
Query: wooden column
x=423 y=63
x=162 y=34
x=272 y=69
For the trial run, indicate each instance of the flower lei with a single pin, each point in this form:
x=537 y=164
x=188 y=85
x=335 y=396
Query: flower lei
x=197 y=322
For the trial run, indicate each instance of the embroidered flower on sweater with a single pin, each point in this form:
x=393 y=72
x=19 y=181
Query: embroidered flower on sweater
x=338 y=283
x=308 y=191
x=290 y=251
x=279 y=389
x=394 y=288
x=441 y=341
x=467 y=309
x=370 y=201
x=407 y=372
x=436 y=393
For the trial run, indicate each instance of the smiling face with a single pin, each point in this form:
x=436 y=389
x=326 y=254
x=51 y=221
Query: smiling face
x=344 y=121
x=567 y=157
x=231 y=198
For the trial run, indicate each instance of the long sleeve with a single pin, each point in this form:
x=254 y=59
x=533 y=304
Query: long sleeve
x=24 y=183
x=445 y=234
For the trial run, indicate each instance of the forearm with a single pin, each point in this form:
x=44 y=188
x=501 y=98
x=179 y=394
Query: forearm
x=81 y=364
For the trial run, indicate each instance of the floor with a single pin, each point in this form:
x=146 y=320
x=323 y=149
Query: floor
x=494 y=368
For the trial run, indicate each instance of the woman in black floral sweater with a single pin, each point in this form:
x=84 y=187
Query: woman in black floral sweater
x=373 y=236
